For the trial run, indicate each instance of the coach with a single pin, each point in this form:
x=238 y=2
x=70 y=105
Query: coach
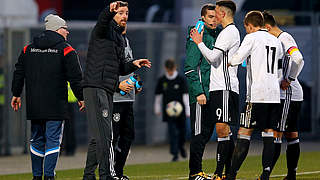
x=105 y=62
x=45 y=66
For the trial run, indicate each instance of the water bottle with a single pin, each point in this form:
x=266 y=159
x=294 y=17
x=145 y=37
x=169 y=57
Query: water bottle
x=139 y=84
x=244 y=63
x=131 y=80
x=199 y=27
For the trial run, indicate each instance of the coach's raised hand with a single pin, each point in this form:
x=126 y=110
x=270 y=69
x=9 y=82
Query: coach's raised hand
x=114 y=6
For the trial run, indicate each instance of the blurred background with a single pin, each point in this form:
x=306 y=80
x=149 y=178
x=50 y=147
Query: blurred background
x=157 y=30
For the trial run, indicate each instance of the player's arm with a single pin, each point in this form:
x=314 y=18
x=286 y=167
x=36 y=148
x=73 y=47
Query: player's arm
x=297 y=60
x=291 y=48
x=212 y=56
x=243 y=52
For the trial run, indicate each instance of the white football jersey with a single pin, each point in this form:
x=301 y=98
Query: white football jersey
x=295 y=90
x=227 y=43
x=262 y=52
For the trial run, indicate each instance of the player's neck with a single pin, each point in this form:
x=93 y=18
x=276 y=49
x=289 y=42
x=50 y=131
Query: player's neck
x=255 y=29
x=226 y=21
x=276 y=31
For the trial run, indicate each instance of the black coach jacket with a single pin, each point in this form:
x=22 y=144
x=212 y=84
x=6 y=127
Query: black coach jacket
x=45 y=66
x=106 y=58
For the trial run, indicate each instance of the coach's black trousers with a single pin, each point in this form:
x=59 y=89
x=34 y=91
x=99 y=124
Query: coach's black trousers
x=202 y=127
x=99 y=105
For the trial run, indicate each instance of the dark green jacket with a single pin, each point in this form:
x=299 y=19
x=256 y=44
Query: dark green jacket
x=196 y=64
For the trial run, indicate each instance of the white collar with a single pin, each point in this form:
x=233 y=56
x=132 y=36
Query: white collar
x=174 y=75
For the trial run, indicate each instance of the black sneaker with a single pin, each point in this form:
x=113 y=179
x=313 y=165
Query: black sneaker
x=200 y=176
x=49 y=178
x=37 y=178
x=124 y=177
x=183 y=153
x=175 y=158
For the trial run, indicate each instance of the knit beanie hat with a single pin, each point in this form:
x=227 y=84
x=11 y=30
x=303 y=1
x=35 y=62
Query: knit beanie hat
x=54 y=22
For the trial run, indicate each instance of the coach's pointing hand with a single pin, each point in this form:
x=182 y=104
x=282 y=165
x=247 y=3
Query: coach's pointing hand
x=142 y=62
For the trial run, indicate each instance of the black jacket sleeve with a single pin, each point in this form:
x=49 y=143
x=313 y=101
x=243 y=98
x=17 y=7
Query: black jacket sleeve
x=103 y=22
x=127 y=67
x=117 y=86
x=74 y=74
x=18 y=76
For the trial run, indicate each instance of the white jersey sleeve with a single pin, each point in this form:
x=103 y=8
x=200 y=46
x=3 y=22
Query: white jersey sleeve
x=224 y=42
x=212 y=56
x=243 y=51
x=292 y=64
x=291 y=49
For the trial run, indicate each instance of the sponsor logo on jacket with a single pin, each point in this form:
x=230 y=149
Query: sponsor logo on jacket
x=44 y=50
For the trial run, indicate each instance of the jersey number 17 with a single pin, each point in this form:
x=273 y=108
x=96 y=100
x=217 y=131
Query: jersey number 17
x=273 y=49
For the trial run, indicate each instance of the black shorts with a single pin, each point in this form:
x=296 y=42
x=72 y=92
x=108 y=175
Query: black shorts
x=224 y=107
x=259 y=116
x=288 y=116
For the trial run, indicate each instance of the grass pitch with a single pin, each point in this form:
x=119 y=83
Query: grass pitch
x=309 y=169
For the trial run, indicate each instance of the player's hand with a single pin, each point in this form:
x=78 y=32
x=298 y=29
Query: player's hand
x=81 y=105
x=284 y=84
x=114 y=6
x=124 y=86
x=196 y=37
x=201 y=99
x=16 y=103
x=142 y=62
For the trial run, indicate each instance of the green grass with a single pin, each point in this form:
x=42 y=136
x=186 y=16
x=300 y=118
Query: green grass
x=309 y=162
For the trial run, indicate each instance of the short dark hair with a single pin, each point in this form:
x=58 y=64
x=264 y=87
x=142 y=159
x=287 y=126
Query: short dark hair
x=123 y=4
x=170 y=64
x=255 y=18
x=228 y=4
x=207 y=7
x=269 y=19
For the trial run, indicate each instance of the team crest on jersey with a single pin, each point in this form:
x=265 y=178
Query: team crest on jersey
x=116 y=117
x=176 y=86
x=105 y=113
x=165 y=85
